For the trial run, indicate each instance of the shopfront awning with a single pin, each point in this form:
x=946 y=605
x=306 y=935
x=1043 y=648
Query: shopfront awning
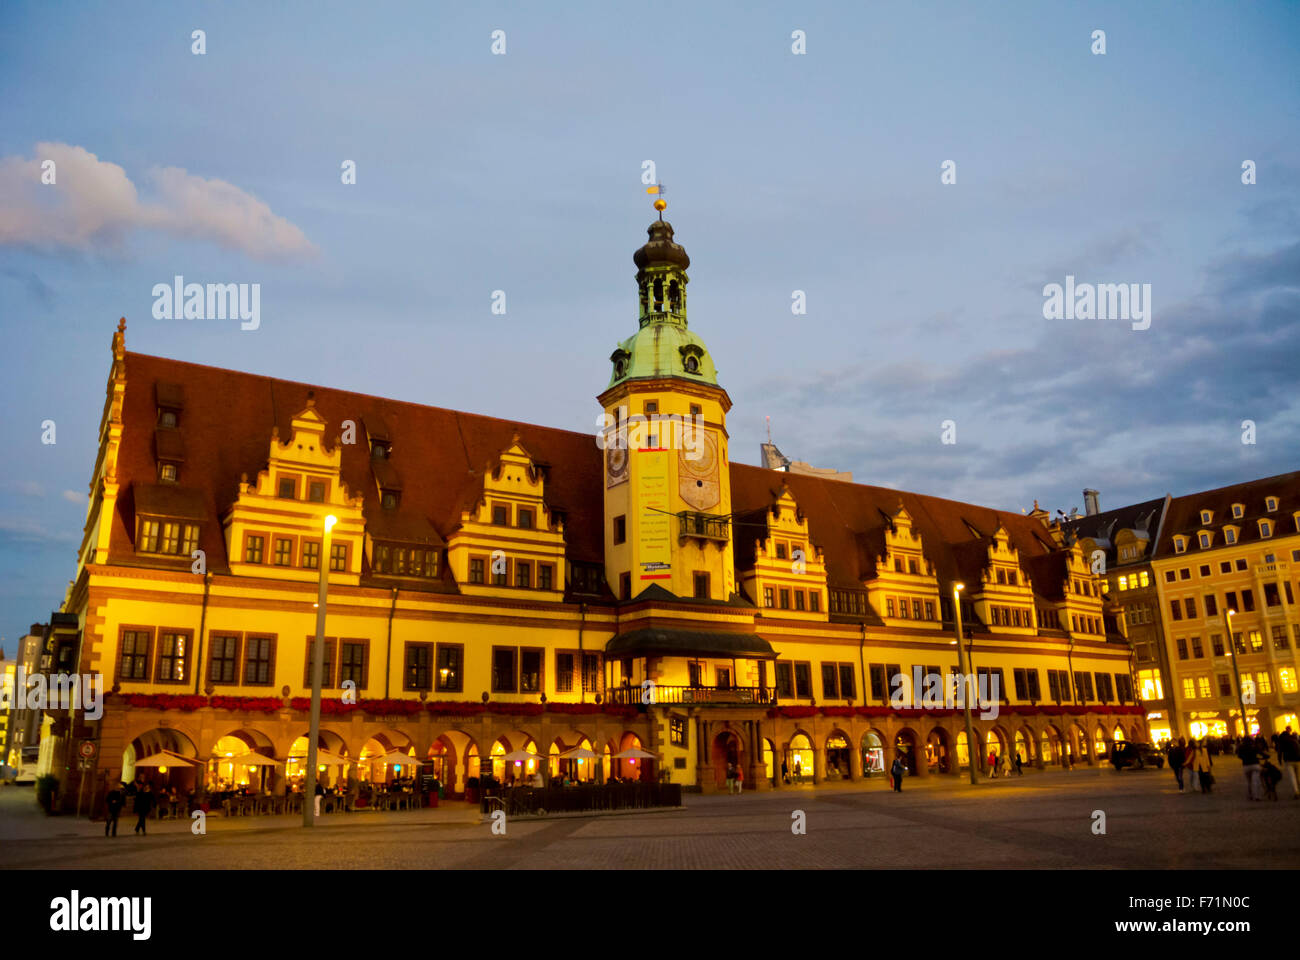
x=655 y=642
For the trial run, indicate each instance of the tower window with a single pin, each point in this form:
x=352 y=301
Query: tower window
x=620 y=529
x=167 y=472
x=166 y=418
x=692 y=365
x=651 y=406
x=701 y=585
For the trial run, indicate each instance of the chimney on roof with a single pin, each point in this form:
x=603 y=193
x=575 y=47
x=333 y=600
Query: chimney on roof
x=1091 y=502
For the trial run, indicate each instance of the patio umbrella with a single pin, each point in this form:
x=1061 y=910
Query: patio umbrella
x=393 y=757
x=578 y=753
x=165 y=758
x=522 y=756
x=633 y=753
x=253 y=760
x=327 y=758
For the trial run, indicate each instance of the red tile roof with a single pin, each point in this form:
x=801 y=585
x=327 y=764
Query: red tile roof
x=441 y=456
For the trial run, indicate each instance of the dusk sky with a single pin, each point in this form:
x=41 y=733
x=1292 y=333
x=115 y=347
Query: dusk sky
x=521 y=172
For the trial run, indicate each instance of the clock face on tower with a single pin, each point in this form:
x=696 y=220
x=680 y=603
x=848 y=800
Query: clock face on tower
x=615 y=466
x=697 y=472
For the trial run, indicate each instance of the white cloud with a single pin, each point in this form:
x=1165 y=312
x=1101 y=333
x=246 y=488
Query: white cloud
x=94 y=205
x=73 y=497
x=30 y=488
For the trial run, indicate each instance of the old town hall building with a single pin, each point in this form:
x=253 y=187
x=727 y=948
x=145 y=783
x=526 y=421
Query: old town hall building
x=502 y=588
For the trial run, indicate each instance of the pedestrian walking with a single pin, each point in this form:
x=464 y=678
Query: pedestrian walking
x=785 y=772
x=1019 y=772
x=896 y=772
x=1250 y=766
x=993 y=763
x=320 y=792
x=1177 y=756
x=113 y=803
x=141 y=807
x=740 y=780
x=1288 y=752
x=1205 y=766
x=1190 y=758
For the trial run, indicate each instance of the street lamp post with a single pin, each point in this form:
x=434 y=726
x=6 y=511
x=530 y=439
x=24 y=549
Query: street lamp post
x=1236 y=673
x=957 y=588
x=317 y=668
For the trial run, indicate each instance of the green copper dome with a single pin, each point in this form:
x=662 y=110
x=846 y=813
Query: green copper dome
x=663 y=347
x=663 y=350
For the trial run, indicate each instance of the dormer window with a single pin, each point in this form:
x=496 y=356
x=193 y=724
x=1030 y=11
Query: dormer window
x=1265 y=528
x=379 y=450
x=1205 y=540
x=167 y=418
x=167 y=472
x=1230 y=534
x=388 y=500
x=1180 y=544
x=1238 y=511
x=1207 y=516
x=1270 y=504
x=692 y=355
x=691 y=365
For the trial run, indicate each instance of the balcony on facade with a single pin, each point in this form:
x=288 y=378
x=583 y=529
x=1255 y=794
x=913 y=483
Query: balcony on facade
x=690 y=695
x=704 y=525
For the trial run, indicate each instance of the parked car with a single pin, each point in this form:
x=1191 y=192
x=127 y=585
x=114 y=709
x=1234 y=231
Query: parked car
x=1137 y=756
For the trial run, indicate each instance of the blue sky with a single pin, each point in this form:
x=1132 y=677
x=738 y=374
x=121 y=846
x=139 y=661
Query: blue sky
x=818 y=172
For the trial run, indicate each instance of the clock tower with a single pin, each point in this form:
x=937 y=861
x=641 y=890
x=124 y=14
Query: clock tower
x=667 y=486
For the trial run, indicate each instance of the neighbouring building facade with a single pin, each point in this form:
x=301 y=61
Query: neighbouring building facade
x=497 y=587
x=1234 y=549
x=1128 y=537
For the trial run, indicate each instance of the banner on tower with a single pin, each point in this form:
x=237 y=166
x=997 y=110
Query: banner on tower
x=655 y=535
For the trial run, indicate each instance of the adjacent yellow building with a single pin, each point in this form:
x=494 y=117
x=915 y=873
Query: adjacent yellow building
x=1228 y=573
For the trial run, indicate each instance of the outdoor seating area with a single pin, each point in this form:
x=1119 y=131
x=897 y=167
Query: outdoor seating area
x=583 y=797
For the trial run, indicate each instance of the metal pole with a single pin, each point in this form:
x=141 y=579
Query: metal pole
x=1236 y=674
x=317 y=668
x=965 y=698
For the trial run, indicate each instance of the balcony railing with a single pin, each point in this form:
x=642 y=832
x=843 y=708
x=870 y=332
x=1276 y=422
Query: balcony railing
x=663 y=693
x=705 y=525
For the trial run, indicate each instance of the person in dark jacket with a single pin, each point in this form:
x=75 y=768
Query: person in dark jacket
x=143 y=804
x=896 y=771
x=1288 y=751
x=1177 y=757
x=1250 y=766
x=113 y=803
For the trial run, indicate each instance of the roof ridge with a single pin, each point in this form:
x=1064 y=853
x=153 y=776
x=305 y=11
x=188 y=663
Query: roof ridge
x=356 y=393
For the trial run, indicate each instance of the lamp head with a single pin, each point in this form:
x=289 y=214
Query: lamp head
x=330 y=521
x=958 y=587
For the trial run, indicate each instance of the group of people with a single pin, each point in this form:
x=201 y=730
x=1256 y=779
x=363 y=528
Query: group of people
x=998 y=764
x=736 y=778
x=142 y=798
x=1195 y=760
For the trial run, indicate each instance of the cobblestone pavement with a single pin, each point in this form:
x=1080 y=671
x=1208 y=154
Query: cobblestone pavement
x=1044 y=821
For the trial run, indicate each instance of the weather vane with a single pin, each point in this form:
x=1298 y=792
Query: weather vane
x=660 y=203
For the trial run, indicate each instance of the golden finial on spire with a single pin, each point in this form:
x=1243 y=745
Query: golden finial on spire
x=660 y=203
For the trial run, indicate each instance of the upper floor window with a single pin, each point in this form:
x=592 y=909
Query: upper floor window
x=378 y=450
x=1180 y=544
x=1270 y=504
x=167 y=418
x=168 y=536
x=389 y=499
x=1207 y=516
x=1205 y=540
x=1265 y=528
x=1229 y=535
x=167 y=472
x=501 y=515
x=525 y=516
x=620 y=529
x=1238 y=510
x=316 y=491
x=288 y=489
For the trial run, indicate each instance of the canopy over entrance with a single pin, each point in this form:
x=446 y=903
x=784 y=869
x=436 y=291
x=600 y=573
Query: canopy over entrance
x=655 y=642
